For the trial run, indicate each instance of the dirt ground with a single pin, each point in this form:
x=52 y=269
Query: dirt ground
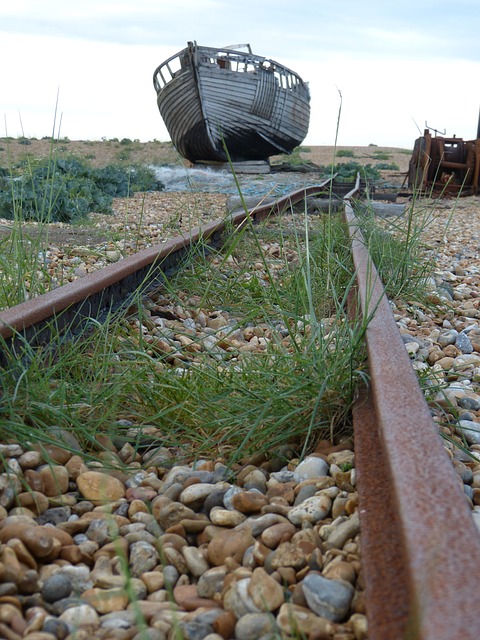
x=102 y=152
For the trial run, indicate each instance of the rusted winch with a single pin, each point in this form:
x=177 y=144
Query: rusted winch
x=446 y=165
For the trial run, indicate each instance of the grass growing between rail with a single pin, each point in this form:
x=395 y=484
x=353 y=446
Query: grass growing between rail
x=286 y=283
x=232 y=402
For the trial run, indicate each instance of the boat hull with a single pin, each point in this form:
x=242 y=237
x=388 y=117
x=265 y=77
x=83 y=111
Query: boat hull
x=221 y=104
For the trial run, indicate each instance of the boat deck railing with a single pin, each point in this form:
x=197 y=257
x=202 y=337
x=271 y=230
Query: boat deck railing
x=230 y=60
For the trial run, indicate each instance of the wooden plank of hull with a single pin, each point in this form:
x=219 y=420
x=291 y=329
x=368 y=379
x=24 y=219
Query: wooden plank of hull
x=249 y=112
x=228 y=103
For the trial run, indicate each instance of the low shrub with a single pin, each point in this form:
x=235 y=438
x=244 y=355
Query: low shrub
x=65 y=190
x=347 y=171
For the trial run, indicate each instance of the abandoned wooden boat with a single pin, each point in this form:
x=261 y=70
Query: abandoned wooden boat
x=211 y=99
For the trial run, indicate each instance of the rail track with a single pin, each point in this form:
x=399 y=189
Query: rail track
x=421 y=557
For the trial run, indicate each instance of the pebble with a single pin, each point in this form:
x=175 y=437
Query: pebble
x=100 y=488
x=311 y=467
x=56 y=587
x=310 y=510
x=469 y=430
x=330 y=599
x=79 y=616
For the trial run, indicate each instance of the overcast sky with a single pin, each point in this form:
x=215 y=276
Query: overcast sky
x=396 y=63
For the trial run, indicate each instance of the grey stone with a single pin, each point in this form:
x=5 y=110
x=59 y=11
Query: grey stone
x=227 y=498
x=255 y=480
x=173 y=491
x=469 y=403
x=150 y=634
x=56 y=587
x=80 y=577
x=157 y=457
x=81 y=615
x=222 y=473
x=447 y=337
x=311 y=510
x=195 y=560
x=214 y=499
x=330 y=599
x=238 y=600
x=194 y=495
x=64 y=438
x=56 y=627
x=171 y=575
x=463 y=343
x=143 y=557
x=102 y=531
x=54 y=515
x=258 y=524
x=311 y=467
x=211 y=582
x=119 y=620
x=283 y=476
x=172 y=513
x=344 y=531
x=469 y=430
x=60 y=606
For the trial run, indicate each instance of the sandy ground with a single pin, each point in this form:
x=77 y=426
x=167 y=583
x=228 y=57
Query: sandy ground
x=101 y=153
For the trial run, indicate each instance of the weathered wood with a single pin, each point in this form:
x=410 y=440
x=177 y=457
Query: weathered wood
x=211 y=99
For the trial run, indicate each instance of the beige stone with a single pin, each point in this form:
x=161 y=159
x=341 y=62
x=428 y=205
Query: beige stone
x=229 y=544
x=340 y=571
x=33 y=500
x=265 y=592
x=106 y=600
x=277 y=533
x=55 y=479
x=99 y=487
x=293 y=619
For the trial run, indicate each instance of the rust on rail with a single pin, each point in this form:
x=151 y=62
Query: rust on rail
x=422 y=578
x=97 y=293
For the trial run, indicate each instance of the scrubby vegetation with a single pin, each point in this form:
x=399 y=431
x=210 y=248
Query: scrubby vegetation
x=348 y=171
x=67 y=189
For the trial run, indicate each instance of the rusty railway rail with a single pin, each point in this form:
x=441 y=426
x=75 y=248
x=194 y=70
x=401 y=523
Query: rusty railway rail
x=420 y=547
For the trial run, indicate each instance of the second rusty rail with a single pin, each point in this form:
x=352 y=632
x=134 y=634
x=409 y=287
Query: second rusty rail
x=421 y=581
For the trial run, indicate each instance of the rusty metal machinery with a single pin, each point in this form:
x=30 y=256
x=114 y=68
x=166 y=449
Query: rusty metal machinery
x=446 y=165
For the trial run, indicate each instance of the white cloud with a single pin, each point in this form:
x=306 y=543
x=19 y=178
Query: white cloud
x=394 y=64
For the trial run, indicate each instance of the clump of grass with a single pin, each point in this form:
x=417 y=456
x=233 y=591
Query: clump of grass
x=345 y=153
x=381 y=155
x=398 y=250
